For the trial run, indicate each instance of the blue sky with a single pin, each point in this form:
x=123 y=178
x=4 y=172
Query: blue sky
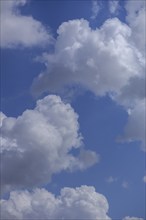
x=85 y=62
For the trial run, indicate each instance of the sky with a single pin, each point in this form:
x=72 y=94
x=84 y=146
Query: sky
x=73 y=109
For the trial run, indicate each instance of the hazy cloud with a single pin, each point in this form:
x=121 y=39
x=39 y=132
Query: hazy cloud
x=144 y=179
x=111 y=179
x=125 y=184
x=96 y=7
x=132 y=218
x=113 y=6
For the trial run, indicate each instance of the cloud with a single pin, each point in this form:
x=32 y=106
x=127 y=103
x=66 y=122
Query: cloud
x=144 y=179
x=132 y=218
x=80 y=57
x=72 y=203
x=105 y=61
x=111 y=179
x=96 y=7
x=136 y=12
x=135 y=128
x=132 y=93
x=125 y=184
x=38 y=144
x=113 y=6
x=20 y=30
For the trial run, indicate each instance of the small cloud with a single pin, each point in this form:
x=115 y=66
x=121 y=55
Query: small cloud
x=114 y=7
x=96 y=7
x=125 y=184
x=132 y=218
x=144 y=179
x=111 y=179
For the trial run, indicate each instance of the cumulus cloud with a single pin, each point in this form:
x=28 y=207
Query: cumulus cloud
x=80 y=57
x=113 y=6
x=72 y=203
x=105 y=60
x=96 y=7
x=20 y=30
x=132 y=218
x=38 y=144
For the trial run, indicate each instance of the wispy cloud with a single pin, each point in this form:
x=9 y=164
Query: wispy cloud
x=114 y=6
x=111 y=179
x=96 y=7
x=125 y=184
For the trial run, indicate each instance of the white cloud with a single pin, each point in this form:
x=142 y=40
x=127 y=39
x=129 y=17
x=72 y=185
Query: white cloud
x=113 y=6
x=132 y=218
x=92 y=58
x=37 y=144
x=19 y=30
x=103 y=61
x=72 y=203
x=96 y=7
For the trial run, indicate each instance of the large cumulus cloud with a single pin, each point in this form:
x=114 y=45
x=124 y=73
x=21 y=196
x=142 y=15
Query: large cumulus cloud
x=72 y=203
x=92 y=58
x=37 y=144
x=107 y=60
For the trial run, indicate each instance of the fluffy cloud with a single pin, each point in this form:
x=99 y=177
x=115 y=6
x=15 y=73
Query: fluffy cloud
x=105 y=60
x=92 y=58
x=37 y=144
x=132 y=218
x=19 y=30
x=72 y=203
